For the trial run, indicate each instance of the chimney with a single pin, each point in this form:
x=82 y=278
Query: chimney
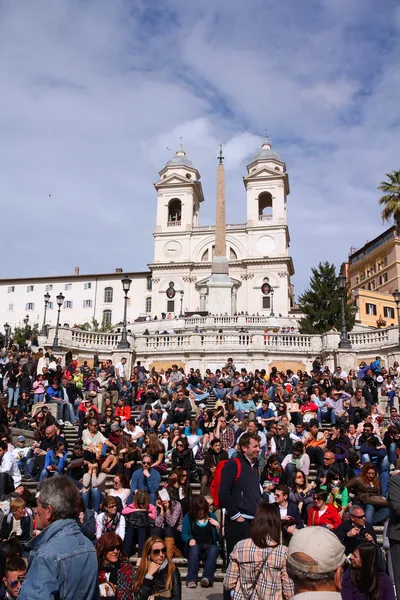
x=76 y=271
x=118 y=270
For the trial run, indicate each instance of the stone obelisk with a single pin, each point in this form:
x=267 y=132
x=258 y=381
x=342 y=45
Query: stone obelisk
x=220 y=284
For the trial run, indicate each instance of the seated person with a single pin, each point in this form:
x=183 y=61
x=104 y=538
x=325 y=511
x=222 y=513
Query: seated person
x=18 y=523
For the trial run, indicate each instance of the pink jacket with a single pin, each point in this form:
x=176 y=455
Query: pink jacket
x=38 y=387
x=152 y=511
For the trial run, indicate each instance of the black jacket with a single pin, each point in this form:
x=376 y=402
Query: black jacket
x=26 y=526
x=351 y=543
x=283 y=445
x=292 y=511
x=393 y=531
x=211 y=459
x=244 y=495
x=150 y=587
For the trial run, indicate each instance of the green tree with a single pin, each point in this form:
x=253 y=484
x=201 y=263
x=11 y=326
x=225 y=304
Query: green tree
x=321 y=303
x=96 y=326
x=391 y=198
x=20 y=333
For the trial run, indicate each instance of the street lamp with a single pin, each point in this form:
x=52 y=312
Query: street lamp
x=7 y=329
x=60 y=301
x=341 y=287
x=181 y=313
x=272 y=314
x=123 y=343
x=396 y=298
x=46 y=301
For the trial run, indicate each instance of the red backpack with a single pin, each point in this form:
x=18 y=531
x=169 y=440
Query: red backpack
x=216 y=480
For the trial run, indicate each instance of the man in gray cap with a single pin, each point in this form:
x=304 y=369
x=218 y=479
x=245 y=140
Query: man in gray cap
x=314 y=563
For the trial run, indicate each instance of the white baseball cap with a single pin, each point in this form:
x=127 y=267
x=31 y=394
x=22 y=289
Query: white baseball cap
x=319 y=544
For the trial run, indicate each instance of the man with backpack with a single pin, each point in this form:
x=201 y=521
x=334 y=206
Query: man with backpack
x=239 y=490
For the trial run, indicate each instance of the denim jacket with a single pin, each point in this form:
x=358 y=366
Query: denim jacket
x=62 y=565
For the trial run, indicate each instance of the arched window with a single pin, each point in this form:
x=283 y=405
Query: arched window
x=174 y=211
x=265 y=206
x=204 y=258
x=232 y=254
x=107 y=318
x=149 y=284
x=108 y=294
x=148 y=305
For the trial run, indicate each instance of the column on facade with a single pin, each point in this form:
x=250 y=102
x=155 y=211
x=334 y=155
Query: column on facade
x=203 y=294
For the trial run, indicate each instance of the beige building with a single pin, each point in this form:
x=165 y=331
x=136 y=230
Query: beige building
x=373 y=272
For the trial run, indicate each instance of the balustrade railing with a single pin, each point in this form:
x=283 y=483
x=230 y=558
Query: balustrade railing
x=265 y=217
x=295 y=342
x=369 y=338
x=95 y=339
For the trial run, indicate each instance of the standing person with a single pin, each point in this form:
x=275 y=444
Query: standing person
x=60 y=554
x=257 y=569
x=314 y=564
x=116 y=574
x=156 y=575
x=364 y=580
x=241 y=495
x=393 y=531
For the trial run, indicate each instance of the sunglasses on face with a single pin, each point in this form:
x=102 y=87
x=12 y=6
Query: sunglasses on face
x=115 y=548
x=159 y=551
x=359 y=516
x=179 y=445
x=146 y=464
x=14 y=584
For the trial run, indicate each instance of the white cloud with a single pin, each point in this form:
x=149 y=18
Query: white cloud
x=95 y=92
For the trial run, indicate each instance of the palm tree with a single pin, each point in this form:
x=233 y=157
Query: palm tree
x=391 y=198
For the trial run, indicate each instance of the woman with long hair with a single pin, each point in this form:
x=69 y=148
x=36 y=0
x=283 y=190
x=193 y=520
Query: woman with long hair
x=179 y=488
x=200 y=534
x=120 y=489
x=322 y=513
x=116 y=574
x=157 y=452
x=301 y=492
x=257 y=568
x=110 y=520
x=367 y=492
x=212 y=457
x=338 y=494
x=139 y=517
x=182 y=456
x=364 y=580
x=156 y=574
x=168 y=523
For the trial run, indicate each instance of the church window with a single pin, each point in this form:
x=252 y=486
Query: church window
x=149 y=284
x=265 y=206
x=170 y=306
x=108 y=294
x=266 y=302
x=148 y=305
x=232 y=254
x=107 y=318
x=204 y=258
x=174 y=211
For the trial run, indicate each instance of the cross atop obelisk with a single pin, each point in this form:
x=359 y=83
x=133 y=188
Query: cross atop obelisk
x=220 y=262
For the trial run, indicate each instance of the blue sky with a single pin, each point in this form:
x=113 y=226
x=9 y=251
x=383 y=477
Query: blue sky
x=93 y=93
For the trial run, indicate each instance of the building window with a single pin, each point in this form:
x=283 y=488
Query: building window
x=383 y=278
x=11 y=307
x=11 y=289
x=148 y=305
x=170 y=306
x=266 y=302
x=108 y=294
x=30 y=306
x=29 y=288
x=232 y=254
x=107 y=318
x=149 y=284
x=371 y=285
x=87 y=285
x=174 y=211
x=87 y=304
x=204 y=258
x=370 y=308
x=265 y=206
x=388 y=312
x=50 y=306
x=68 y=286
x=49 y=287
x=68 y=304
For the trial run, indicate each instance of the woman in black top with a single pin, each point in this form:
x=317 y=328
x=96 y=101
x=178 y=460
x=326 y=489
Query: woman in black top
x=212 y=457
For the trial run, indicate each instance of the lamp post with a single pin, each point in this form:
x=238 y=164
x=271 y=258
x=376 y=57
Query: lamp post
x=7 y=329
x=396 y=298
x=60 y=301
x=181 y=313
x=123 y=343
x=341 y=287
x=272 y=314
x=46 y=301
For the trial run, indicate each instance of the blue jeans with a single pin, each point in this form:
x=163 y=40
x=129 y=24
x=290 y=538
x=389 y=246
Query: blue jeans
x=391 y=394
x=194 y=554
x=374 y=515
x=13 y=395
x=45 y=474
x=326 y=415
x=38 y=398
x=133 y=536
x=392 y=452
x=92 y=499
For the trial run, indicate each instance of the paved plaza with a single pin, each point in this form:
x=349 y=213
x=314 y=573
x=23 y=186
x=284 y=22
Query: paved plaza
x=215 y=593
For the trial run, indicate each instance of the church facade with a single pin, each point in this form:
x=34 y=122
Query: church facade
x=257 y=251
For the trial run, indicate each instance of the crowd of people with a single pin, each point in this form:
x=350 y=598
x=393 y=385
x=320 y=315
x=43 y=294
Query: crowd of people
x=286 y=463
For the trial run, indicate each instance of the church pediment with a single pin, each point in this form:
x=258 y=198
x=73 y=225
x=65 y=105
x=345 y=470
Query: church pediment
x=173 y=180
x=263 y=173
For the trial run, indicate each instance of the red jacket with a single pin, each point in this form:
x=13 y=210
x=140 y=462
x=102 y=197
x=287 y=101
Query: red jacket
x=330 y=517
x=124 y=412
